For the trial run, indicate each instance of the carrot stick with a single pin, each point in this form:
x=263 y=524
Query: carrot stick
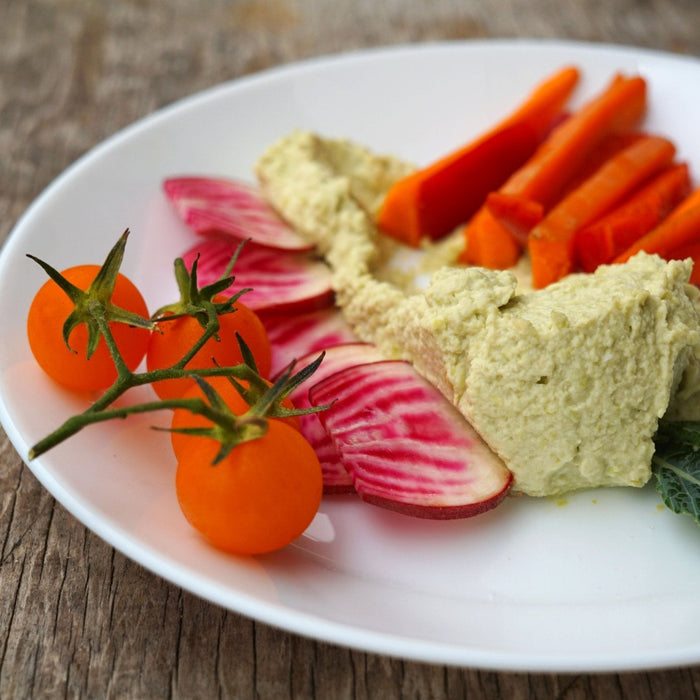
x=545 y=175
x=611 y=145
x=520 y=214
x=495 y=247
x=517 y=213
x=616 y=110
x=609 y=236
x=551 y=242
x=433 y=201
x=680 y=228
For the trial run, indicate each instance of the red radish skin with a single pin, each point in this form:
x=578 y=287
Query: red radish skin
x=280 y=283
x=405 y=446
x=295 y=335
x=236 y=208
x=335 y=477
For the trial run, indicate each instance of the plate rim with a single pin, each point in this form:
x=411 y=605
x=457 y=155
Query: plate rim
x=283 y=617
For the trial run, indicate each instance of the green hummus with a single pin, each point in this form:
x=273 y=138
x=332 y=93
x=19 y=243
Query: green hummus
x=566 y=384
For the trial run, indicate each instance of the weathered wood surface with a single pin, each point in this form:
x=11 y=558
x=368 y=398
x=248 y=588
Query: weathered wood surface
x=78 y=619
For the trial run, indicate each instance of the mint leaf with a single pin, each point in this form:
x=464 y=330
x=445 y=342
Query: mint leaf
x=676 y=465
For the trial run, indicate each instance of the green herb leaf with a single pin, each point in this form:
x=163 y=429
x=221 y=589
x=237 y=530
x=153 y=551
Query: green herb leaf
x=676 y=465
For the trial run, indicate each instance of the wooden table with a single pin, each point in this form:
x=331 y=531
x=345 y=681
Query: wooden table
x=79 y=619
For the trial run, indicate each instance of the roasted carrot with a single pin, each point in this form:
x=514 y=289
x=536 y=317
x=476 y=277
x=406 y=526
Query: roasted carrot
x=611 y=145
x=604 y=239
x=616 y=110
x=680 y=228
x=551 y=242
x=433 y=201
x=520 y=214
x=517 y=213
x=545 y=176
x=495 y=247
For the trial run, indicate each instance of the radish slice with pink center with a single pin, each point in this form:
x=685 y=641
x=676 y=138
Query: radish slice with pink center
x=335 y=477
x=227 y=206
x=280 y=282
x=294 y=335
x=405 y=446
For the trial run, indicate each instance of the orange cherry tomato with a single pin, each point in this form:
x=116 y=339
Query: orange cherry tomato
x=182 y=418
x=259 y=498
x=47 y=314
x=178 y=336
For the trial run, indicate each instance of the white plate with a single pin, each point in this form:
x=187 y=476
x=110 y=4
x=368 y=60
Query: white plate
x=608 y=580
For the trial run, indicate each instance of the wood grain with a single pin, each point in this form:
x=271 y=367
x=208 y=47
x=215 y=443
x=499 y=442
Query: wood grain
x=78 y=619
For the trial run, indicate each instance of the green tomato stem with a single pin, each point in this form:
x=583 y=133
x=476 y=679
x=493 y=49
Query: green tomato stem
x=236 y=429
x=228 y=429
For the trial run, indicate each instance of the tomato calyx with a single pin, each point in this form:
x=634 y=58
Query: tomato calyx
x=97 y=298
x=201 y=303
x=228 y=429
x=265 y=399
x=205 y=304
x=265 y=402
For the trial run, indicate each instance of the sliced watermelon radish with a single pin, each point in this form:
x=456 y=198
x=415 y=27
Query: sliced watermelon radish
x=295 y=335
x=338 y=357
x=281 y=282
x=405 y=446
x=228 y=206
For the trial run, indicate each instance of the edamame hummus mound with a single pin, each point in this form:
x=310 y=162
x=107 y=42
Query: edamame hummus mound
x=566 y=384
